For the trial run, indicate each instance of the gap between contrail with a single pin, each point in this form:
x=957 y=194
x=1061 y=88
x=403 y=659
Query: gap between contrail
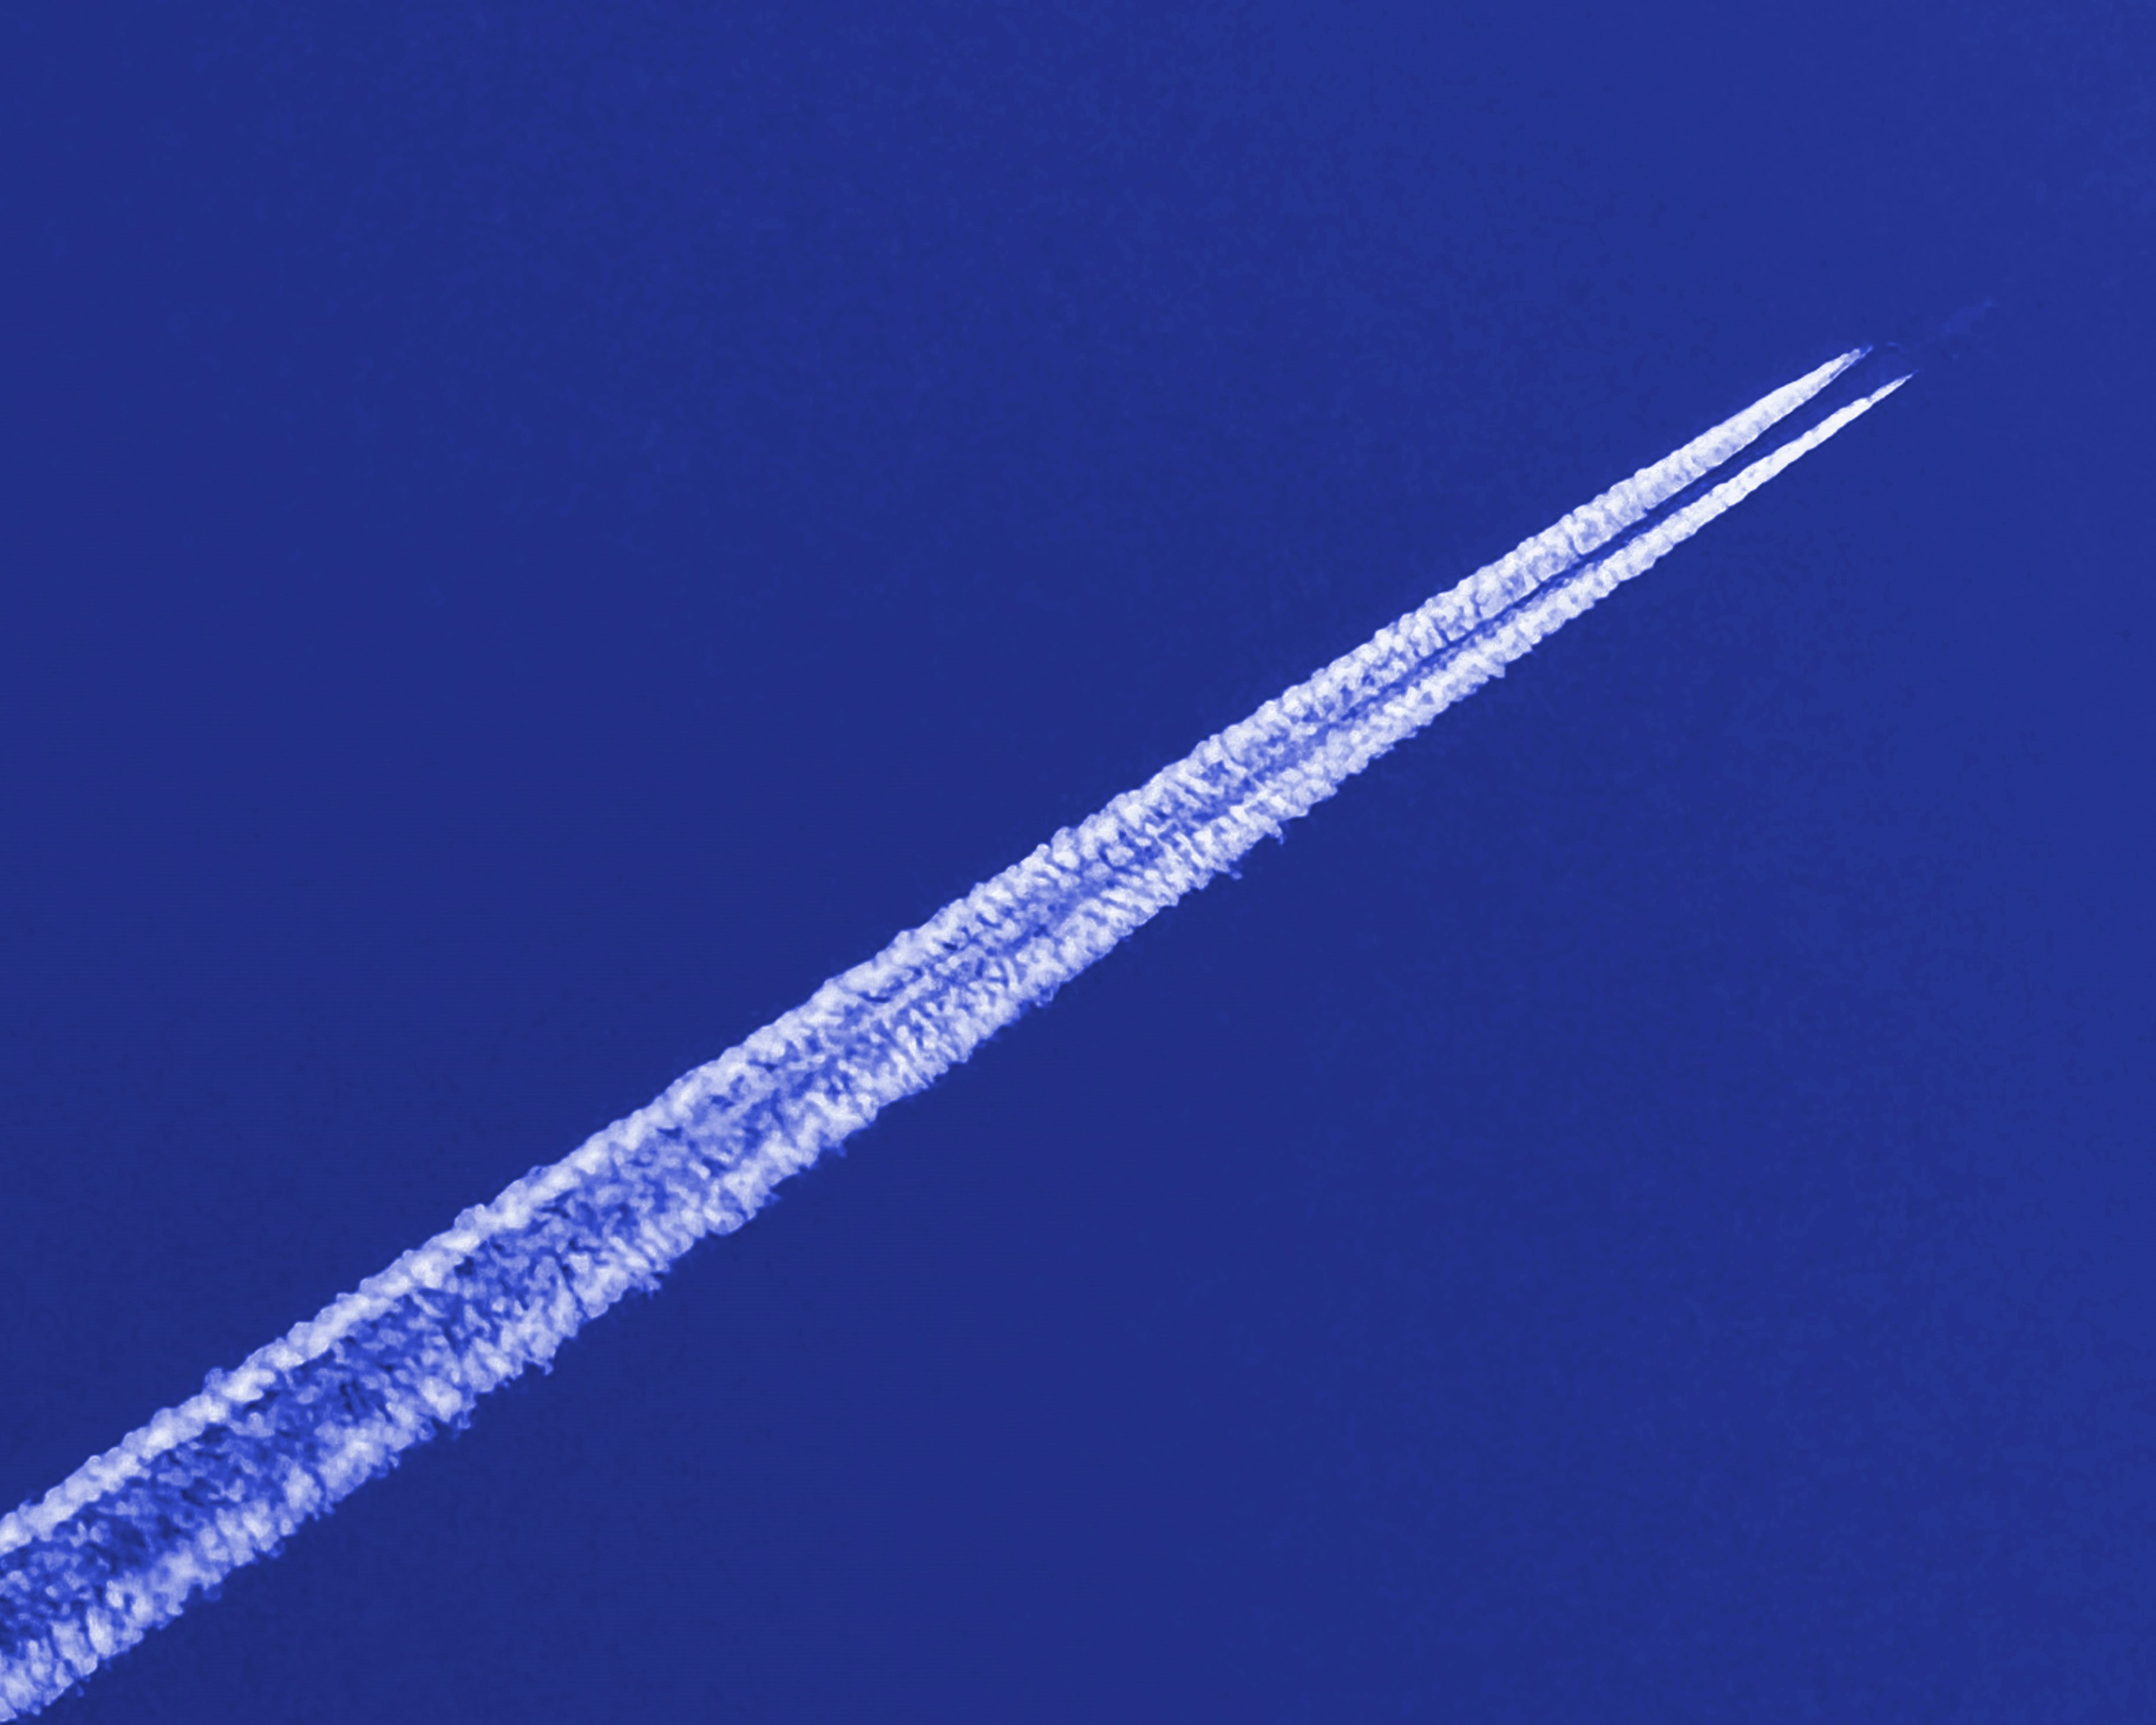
x=123 y=1543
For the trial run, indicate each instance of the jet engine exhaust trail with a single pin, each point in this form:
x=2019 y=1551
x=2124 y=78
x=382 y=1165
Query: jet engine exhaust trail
x=122 y=1545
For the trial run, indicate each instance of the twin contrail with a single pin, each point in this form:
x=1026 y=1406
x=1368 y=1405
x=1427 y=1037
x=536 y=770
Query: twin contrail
x=122 y=1544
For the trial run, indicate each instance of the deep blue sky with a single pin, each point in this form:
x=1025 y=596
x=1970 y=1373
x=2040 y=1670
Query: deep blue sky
x=534 y=533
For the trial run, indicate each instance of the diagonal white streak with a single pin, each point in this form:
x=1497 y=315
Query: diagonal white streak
x=1377 y=665
x=120 y=1546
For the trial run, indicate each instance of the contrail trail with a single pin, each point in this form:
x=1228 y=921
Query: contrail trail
x=121 y=1545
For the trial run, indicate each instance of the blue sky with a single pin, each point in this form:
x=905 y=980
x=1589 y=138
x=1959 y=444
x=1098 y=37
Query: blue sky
x=538 y=534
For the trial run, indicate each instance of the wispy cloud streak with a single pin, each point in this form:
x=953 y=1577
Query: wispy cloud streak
x=123 y=1544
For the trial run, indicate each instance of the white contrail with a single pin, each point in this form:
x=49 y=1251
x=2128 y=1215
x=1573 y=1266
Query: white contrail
x=119 y=1547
